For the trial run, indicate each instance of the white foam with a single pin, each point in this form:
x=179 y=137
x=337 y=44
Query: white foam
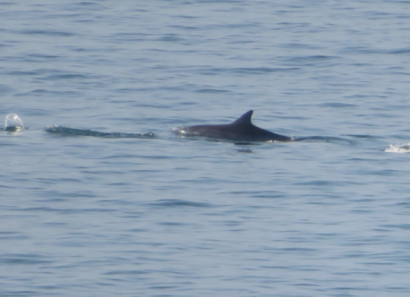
x=13 y=122
x=403 y=149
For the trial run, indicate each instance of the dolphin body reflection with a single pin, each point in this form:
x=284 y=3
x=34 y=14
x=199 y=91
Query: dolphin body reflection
x=241 y=130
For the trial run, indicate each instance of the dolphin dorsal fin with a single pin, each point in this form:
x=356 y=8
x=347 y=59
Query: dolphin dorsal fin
x=245 y=119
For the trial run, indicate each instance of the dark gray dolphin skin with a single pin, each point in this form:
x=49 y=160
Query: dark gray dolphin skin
x=241 y=130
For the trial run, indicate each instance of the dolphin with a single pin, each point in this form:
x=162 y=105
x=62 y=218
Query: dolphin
x=241 y=130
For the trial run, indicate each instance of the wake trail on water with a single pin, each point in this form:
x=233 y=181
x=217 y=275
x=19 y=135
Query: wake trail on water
x=66 y=131
x=13 y=123
x=324 y=139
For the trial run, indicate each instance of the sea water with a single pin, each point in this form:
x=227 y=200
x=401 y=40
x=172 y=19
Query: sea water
x=85 y=214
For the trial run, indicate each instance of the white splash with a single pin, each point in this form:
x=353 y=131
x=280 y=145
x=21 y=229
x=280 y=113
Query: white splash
x=13 y=123
x=402 y=149
x=180 y=130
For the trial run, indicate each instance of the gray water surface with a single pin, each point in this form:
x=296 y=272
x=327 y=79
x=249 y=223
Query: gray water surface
x=171 y=216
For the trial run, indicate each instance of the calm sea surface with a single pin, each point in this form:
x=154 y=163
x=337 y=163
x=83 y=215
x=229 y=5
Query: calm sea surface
x=171 y=216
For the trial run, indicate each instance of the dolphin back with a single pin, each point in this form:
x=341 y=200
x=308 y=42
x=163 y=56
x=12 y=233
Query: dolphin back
x=241 y=129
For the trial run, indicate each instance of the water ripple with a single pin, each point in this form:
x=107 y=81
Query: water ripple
x=24 y=259
x=167 y=203
x=47 y=32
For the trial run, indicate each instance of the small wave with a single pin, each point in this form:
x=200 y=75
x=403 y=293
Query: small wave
x=400 y=51
x=324 y=139
x=179 y=203
x=261 y=70
x=402 y=149
x=65 y=131
x=171 y=38
x=338 y=105
x=25 y=259
x=359 y=135
x=367 y=50
x=47 y=32
x=65 y=76
x=210 y=90
x=246 y=70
